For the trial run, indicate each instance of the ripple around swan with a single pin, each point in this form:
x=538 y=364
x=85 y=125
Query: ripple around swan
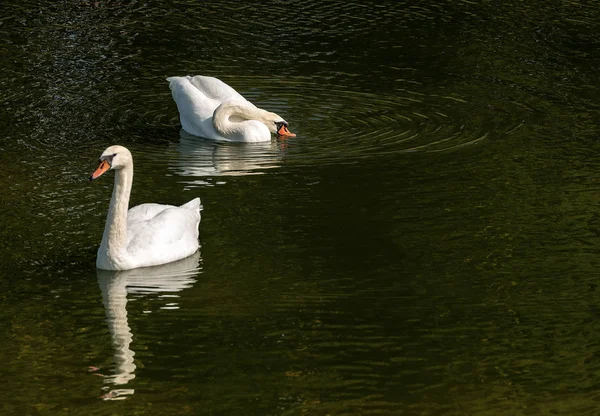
x=337 y=125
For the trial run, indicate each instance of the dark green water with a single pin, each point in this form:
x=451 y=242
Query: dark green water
x=427 y=245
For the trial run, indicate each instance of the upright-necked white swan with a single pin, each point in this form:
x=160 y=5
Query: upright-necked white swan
x=212 y=109
x=145 y=235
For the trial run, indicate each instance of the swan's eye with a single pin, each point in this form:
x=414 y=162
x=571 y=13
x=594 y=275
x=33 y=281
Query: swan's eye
x=108 y=158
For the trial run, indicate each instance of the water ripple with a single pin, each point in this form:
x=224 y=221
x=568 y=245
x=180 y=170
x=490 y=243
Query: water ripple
x=336 y=125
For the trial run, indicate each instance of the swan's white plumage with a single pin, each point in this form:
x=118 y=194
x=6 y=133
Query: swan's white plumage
x=163 y=232
x=201 y=99
x=147 y=234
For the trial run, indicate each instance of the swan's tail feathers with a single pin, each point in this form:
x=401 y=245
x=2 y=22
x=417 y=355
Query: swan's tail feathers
x=194 y=204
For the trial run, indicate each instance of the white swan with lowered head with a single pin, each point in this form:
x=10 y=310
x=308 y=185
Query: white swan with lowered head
x=147 y=234
x=212 y=109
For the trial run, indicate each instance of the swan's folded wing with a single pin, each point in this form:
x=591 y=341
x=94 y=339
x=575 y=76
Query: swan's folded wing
x=169 y=235
x=144 y=212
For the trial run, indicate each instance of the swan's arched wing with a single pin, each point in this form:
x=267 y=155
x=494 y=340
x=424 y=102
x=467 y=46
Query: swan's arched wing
x=192 y=103
x=215 y=89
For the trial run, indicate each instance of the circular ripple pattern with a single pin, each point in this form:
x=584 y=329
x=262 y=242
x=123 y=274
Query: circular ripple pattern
x=334 y=125
x=99 y=82
x=337 y=125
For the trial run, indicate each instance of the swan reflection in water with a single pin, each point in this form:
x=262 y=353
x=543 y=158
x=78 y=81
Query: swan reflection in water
x=198 y=157
x=162 y=281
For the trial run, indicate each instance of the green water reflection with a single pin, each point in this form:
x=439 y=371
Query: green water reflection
x=426 y=245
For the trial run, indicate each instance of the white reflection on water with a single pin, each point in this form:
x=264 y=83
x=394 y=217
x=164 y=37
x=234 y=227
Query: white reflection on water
x=200 y=158
x=163 y=281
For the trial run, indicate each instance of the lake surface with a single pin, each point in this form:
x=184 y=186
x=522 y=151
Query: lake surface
x=427 y=244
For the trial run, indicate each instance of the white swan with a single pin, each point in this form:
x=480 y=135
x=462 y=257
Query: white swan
x=148 y=234
x=212 y=109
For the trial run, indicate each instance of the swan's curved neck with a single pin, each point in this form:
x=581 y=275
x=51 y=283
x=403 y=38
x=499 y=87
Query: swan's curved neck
x=229 y=117
x=114 y=238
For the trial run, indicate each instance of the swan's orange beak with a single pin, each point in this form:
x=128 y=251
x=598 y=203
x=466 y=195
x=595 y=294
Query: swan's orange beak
x=284 y=131
x=103 y=167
